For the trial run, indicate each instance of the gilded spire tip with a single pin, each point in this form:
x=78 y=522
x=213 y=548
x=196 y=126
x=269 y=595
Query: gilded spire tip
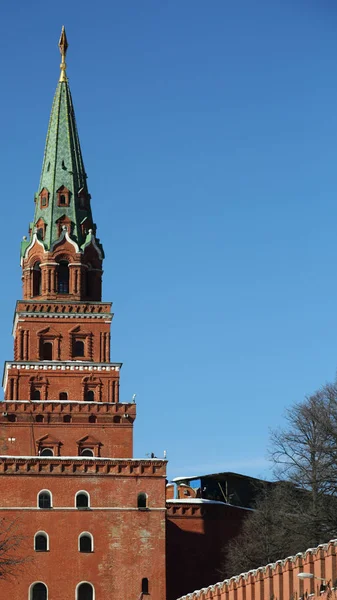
x=63 y=45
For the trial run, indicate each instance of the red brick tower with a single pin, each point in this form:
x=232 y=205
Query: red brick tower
x=93 y=517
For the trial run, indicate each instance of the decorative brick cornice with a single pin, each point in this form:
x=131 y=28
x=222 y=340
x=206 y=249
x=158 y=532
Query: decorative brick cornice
x=63 y=407
x=24 y=465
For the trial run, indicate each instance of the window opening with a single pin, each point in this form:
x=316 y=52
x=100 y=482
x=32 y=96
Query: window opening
x=37 y=279
x=46 y=452
x=67 y=419
x=39 y=592
x=41 y=542
x=11 y=418
x=63 y=396
x=85 y=592
x=47 y=351
x=145 y=585
x=36 y=395
x=82 y=500
x=90 y=396
x=39 y=418
x=85 y=543
x=63 y=277
x=142 y=500
x=79 y=348
x=92 y=419
x=44 y=500
x=62 y=199
x=87 y=452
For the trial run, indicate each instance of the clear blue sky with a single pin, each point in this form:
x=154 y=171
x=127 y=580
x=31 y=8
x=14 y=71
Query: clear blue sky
x=209 y=134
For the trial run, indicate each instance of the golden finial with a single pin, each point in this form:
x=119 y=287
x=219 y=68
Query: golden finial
x=63 y=45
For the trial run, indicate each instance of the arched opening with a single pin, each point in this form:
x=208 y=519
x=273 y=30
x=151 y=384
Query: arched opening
x=87 y=452
x=145 y=585
x=79 y=348
x=47 y=351
x=46 y=452
x=85 y=542
x=44 y=499
x=92 y=419
x=142 y=500
x=39 y=418
x=82 y=500
x=36 y=395
x=38 y=591
x=62 y=200
x=37 y=279
x=63 y=396
x=63 y=277
x=85 y=591
x=67 y=419
x=90 y=396
x=41 y=542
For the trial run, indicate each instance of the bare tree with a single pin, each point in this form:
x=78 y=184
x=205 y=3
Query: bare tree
x=11 y=558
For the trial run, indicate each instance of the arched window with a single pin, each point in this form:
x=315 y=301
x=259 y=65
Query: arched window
x=44 y=499
x=79 y=348
x=92 y=419
x=41 y=542
x=85 y=542
x=62 y=200
x=63 y=277
x=82 y=500
x=142 y=500
x=47 y=351
x=87 y=452
x=63 y=396
x=38 y=418
x=145 y=585
x=46 y=452
x=85 y=591
x=36 y=395
x=38 y=591
x=37 y=279
x=67 y=419
x=90 y=396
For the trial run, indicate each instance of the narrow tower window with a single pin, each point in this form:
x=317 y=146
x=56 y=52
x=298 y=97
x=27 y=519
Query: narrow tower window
x=145 y=585
x=41 y=542
x=85 y=591
x=63 y=277
x=142 y=500
x=44 y=499
x=36 y=395
x=38 y=591
x=85 y=542
x=90 y=396
x=82 y=500
x=47 y=351
x=78 y=348
x=37 y=279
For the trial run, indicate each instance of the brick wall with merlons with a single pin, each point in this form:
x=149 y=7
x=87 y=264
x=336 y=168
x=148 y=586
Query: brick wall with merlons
x=279 y=580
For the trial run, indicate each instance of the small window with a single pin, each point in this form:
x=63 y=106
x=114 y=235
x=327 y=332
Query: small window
x=44 y=201
x=85 y=591
x=44 y=499
x=38 y=418
x=37 y=279
x=85 y=543
x=67 y=419
x=38 y=591
x=63 y=396
x=41 y=542
x=36 y=395
x=90 y=396
x=46 y=452
x=11 y=418
x=47 y=351
x=142 y=500
x=92 y=419
x=87 y=452
x=62 y=200
x=82 y=500
x=63 y=277
x=79 y=348
x=145 y=585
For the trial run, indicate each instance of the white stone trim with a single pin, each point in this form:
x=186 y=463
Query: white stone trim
x=64 y=235
x=30 y=589
x=80 y=583
x=41 y=533
x=86 y=533
x=34 y=239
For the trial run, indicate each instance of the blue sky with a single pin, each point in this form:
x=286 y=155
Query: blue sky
x=209 y=134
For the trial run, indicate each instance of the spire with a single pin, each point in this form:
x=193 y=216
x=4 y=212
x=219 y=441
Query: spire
x=63 y=45
x=62 y=201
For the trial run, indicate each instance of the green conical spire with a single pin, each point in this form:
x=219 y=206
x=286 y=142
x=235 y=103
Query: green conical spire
x=62 y=198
